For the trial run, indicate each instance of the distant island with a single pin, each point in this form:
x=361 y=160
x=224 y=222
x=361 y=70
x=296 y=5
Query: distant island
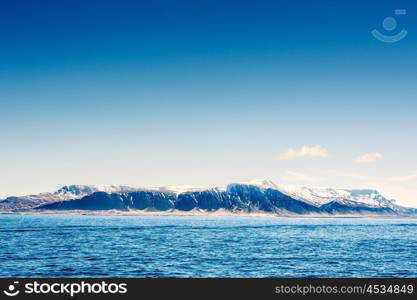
x=255 y=197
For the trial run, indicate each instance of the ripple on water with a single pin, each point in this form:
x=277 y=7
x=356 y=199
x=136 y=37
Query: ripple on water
x=135 y=246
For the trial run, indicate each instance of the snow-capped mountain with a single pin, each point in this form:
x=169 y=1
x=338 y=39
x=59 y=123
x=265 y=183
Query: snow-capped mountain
x=83 y=190
x=254 y=196
x=67 y=192
x=321 y=195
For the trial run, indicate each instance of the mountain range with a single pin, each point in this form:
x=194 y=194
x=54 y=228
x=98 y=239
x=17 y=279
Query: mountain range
x=260 y=196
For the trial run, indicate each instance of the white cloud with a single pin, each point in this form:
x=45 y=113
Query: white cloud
x=305 y=151
x=369 y=157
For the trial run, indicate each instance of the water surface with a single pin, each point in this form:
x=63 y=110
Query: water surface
x=180 y=246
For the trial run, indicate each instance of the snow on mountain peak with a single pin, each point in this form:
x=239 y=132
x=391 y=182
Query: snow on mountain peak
x=316 y=196
x=77 y=191
x=321 y=195
x=263 y=183
x=182 y=188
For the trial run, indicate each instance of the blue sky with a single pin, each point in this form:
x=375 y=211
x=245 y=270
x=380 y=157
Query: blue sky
x=207 y=92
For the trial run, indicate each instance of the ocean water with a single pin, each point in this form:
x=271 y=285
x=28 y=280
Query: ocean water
x=179 y=246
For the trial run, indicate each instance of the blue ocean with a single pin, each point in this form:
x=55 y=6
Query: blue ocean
x=185 y=246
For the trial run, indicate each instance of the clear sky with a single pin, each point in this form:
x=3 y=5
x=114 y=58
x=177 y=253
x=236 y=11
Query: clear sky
x=207 y=92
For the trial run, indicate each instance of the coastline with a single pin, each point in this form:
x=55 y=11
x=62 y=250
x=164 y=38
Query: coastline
x=195 y=213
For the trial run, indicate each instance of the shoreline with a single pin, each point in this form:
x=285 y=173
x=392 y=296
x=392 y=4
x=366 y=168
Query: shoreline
x=194 y=213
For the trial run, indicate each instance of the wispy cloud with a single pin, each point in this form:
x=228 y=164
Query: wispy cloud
x=305 y=151
x=369 y=157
